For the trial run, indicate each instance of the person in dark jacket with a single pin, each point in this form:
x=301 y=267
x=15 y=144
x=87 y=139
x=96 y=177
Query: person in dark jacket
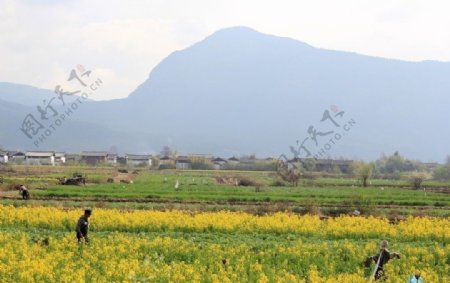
x=24 y=192
x=381 y=259
x=82 y=227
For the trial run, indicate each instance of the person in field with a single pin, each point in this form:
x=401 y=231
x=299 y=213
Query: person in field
x=380 y=260
x=24 y=192
x=82 y=227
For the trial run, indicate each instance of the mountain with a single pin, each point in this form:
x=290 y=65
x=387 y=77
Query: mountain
x=240 y=91
x=72 y=135
x=24 y=94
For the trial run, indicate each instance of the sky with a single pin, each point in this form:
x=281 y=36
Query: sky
x=121 y=41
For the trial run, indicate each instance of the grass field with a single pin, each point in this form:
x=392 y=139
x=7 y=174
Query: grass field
x=199 y=190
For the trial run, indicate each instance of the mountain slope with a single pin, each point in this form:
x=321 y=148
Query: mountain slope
x=241 y=91
x=72 y=136
x=23 y=94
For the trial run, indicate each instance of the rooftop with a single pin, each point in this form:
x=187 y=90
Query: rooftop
x=94 y=153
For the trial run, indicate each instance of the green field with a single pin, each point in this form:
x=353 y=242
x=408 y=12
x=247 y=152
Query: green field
x=200 y=190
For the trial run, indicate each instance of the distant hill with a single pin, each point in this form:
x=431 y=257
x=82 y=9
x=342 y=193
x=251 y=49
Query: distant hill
x=241 y=91
x=74 y=135
x=23 y=94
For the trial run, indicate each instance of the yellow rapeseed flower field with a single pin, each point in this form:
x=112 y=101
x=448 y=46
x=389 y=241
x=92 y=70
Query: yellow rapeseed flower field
x=39 y=245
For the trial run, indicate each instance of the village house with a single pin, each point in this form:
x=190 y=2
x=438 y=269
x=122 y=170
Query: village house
x=122 y=160
x=93 y=157
x=111 y=158
x=16 y=157
x=72 y=157
x=248 y=160
x=218 y=163
x=3 y=156
x=233 y=160
x=40 y=158
x=182 y=163
x=204 y=156
x=166 y=161
x=138 y=160
x=60 y=158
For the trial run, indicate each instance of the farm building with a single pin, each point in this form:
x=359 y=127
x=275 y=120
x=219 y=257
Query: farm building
x=183 y=163
x=40 y=158
x=233 y=160
x=93 y=157
x=17 y=157
x=72 y=157
x=111 y=158
x=166 y=161
x=60 y=157
x=122 y=160
x=138 y=160
x=218 y=162
x=3 y=156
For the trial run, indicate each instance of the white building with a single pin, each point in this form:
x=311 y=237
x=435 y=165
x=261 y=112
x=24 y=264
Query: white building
x=138 y=160
x=60 y=157
x=40 y=158
x=3 y=157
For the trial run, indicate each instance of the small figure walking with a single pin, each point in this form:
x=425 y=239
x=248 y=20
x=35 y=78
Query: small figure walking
x=24 y=192
x=416 y=278
x=83 y=226
x=381 y=259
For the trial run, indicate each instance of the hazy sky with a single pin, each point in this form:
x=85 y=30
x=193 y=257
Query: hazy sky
x=121 y=41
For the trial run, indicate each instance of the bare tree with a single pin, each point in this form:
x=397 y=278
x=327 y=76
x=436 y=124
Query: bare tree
x=364 y=171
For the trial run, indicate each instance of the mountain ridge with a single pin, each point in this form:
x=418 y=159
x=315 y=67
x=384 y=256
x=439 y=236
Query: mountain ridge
x=240 y=91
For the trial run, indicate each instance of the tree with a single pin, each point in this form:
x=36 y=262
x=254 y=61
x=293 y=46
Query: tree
x=167 y=151
x=155 y=161
x=291 y=175
x=310 y=164
x=442 y=172
x=395 y=164
x=200 y=163
x=416 y=179
x=363 y=171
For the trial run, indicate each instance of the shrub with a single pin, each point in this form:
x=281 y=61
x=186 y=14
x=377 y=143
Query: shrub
x=278 y=183
x=442 y=172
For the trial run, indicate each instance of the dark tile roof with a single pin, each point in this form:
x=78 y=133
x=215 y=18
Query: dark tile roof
x=40 y=153
x=93 y=154
x=138 y=156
